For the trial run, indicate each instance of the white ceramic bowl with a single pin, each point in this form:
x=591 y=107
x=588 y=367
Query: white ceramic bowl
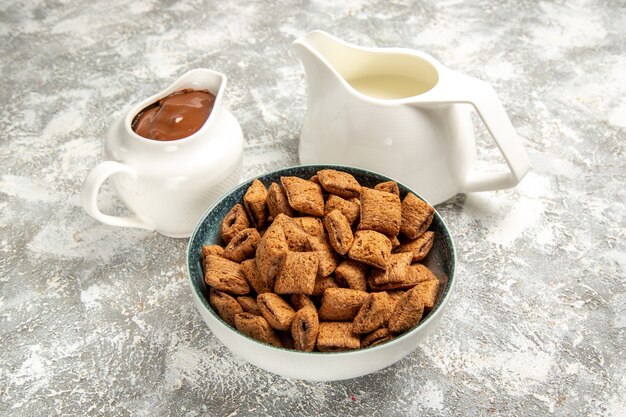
x=316 y=366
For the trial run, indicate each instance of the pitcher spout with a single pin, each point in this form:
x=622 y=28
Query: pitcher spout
x=324 y=58
x=200 y=79
x=367 y=73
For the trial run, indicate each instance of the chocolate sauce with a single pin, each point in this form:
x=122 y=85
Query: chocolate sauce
x=176 y=116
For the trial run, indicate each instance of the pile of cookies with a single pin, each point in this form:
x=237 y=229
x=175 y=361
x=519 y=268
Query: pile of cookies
x=323 y=263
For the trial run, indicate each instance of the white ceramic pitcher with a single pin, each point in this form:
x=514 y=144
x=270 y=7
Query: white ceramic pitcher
x=168 y=185
x=397 y=111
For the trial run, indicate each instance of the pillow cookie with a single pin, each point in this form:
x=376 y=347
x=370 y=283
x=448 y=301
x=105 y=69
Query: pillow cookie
x=255 y=201
x=380 y=211
x=339 y=183
x=304 y=196
x=416 y=216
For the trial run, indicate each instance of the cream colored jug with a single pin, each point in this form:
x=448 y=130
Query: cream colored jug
x=398 y=112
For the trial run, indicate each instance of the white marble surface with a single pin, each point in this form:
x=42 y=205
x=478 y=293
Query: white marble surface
x=96 y=320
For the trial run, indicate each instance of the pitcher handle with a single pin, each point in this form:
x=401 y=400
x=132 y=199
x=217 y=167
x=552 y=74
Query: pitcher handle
x=91 y=187
x=454 y=87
